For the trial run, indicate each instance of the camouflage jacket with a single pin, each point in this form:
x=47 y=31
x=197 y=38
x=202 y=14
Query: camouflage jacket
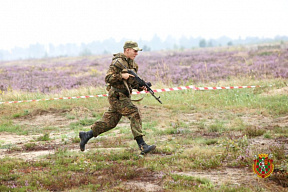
x=114 y=74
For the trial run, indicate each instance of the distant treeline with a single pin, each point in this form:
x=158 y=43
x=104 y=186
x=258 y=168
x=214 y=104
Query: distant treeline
x=109 y=46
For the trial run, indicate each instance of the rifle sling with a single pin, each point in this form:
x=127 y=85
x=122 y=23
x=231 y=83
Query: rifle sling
x=125 y=92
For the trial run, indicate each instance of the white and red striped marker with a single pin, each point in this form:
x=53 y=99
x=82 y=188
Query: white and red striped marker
x=138 y=92
x=195 y=88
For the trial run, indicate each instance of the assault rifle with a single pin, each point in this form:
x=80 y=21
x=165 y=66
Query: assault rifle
x=142 y=82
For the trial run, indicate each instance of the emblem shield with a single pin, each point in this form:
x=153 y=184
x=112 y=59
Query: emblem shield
x=263 y=165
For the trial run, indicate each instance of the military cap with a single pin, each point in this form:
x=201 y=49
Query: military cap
x=131 y=44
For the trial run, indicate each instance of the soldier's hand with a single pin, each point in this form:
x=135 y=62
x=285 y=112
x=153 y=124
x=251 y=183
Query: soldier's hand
x=126 y=75
x=144 y=88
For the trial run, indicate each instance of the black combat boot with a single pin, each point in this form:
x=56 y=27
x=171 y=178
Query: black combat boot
x=84 y=137
x=143 y=146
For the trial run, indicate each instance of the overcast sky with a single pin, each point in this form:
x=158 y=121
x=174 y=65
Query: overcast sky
x=25 y=22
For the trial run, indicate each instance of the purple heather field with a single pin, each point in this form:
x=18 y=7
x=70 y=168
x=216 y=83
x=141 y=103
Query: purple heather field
x=179 y=68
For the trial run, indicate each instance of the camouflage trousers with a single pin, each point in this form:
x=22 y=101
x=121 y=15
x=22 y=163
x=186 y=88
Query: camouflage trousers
x=120 y=105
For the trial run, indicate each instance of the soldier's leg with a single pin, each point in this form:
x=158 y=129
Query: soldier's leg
x=125 y=107
x=136 y=127
x=135 y=124
x=109 y=120
x=131 y=111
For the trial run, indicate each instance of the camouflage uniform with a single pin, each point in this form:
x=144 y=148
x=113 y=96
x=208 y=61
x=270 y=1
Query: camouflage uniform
x=119 y=98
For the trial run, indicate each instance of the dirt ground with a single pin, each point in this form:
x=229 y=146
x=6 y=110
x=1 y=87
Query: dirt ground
x=225 y=176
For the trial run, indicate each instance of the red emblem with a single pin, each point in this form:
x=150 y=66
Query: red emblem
x=263 y=165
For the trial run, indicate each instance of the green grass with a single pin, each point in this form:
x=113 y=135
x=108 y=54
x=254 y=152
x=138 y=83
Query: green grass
x=11 y=128
x=81 y=123
x=253 y=131
x=182 y=182
x=217 y=126
x=45 y=137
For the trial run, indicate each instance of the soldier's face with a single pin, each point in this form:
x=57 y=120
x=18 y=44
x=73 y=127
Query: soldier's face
x=131 y=53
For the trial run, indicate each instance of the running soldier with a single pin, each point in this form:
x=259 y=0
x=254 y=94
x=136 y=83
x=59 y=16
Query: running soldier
x=120 y=84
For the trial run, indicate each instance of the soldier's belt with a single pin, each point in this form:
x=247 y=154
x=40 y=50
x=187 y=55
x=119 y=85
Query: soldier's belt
x=124 y=91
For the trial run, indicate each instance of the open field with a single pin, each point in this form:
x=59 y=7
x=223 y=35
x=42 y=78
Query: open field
x=206 y=140
x=169 y=67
